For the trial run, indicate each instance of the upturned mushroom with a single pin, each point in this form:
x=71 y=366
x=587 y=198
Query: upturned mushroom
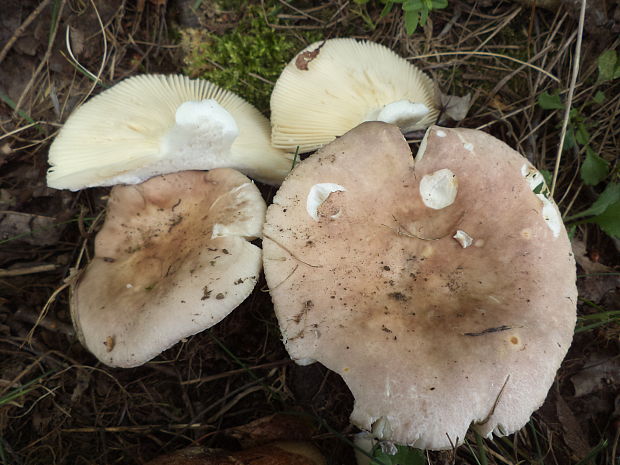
x=442 y=289
x=155 y=124
x=172 y=259
x=332 y=86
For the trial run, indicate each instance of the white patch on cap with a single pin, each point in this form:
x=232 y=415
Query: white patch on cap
x=381 y=428
x=438 y=190
x=533 y=177
x=422 y=148
x=550 y=212
x=463 y=238
x=441 y=133
x=551 y=215
x=242 y=193
x=319 y=194
x=403 y=113
x=468 y=146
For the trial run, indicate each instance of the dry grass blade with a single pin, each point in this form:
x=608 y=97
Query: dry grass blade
x=569 y=98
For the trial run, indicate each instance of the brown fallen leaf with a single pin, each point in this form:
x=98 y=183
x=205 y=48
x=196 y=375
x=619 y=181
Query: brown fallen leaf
x=574 y=436
x=272 y=428
x=584 y=261
x=282 y=453
x=597 y=374
x=25 y=227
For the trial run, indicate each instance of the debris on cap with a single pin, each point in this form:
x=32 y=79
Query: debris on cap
x=443 y=304
x=149 y=125
x=172 y=259
x=332 y=86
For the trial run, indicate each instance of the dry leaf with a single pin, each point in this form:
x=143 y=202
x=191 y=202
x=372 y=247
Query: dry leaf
x=596 y=375
x=272 y=428
x=581 y=256
x=573 y=434
x=453 y=107
x=32 y=229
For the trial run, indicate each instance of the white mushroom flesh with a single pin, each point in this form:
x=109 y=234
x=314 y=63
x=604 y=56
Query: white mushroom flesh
x=463 y=238
x=422 y=148
x=403 y=113
x=551 y=215
x=438 y=190
x=319 y=194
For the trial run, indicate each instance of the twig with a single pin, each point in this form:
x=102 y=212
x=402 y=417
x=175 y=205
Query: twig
x=499 y=396
x=487 y=54
x=27 y=270
x=44 y=311
x=136 y=429
x=30 y=316
x=265 y=236
x=44 y=60
x=571 y=91
x=18 y=130
x=226 y=374
x=20 y=30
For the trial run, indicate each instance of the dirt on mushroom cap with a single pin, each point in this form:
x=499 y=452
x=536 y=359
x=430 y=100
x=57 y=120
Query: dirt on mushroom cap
x=172 y=259
x=429 y=335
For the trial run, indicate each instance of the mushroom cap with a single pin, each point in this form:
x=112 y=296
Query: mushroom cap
x=149 y=125
x=431 y=332
x=332 y=86
x=171 y=260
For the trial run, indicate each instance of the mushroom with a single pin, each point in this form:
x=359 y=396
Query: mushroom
x=332 y=86
x=441 y=290
x=172 y=259
x=154 y=124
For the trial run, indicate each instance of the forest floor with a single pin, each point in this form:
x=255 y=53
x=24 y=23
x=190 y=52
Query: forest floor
x=58 y=404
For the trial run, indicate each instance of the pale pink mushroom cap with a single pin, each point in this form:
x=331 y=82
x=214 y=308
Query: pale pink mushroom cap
x=442 y=291
x=172 y=259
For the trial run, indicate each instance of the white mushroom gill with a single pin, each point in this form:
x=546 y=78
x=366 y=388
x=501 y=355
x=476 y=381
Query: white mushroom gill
x=403 y=113
x=463 y=238
x=438 y=190
x=319 y=194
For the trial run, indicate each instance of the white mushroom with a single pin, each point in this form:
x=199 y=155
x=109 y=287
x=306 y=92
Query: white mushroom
x=154 y=124
x=332 y=86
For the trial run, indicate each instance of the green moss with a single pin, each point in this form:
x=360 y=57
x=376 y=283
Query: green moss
x=244 y=58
